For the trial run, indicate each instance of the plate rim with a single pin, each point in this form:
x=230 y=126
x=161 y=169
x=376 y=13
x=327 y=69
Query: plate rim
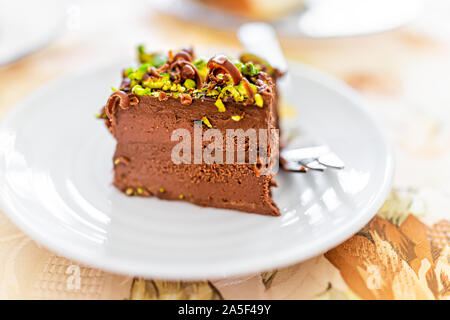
x=117 y=266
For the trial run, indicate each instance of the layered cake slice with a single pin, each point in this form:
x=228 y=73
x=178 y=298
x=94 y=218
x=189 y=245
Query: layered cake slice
x=197 y=130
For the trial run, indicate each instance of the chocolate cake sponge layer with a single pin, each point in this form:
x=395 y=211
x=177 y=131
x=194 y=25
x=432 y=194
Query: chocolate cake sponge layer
x=143 y=164
x=212 y=185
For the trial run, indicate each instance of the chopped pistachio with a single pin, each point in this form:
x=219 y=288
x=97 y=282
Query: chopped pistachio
x=175 y=87
x=165 y=75
x=98 y=115
x=232 y=91
x=158 y=60
x=139 y=190
x=236 y=117
x=206 y=122
x=181 y=196
x=137 y=89
x=140 y=72
x=200 y=63
x=128 y=72
x=189 y=84
x=129 y=191
x=259 y=100
x=162 y=190
x=250 y=69
x=154 y=83
x=212 y=92
x=220 y=106
x=114 y=89
x=154 y=59
x=257 y=61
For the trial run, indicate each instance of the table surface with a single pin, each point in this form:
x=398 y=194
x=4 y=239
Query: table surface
x=404 y=252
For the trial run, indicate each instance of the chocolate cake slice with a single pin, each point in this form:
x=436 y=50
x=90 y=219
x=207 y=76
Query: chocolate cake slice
x=162 y=117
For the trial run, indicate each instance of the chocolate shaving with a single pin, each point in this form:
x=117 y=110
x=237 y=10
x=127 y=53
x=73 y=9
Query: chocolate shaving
x=154 y=73
x=125 y=85
x=186 y=54
x=263 y=83
x=163 y=68
x=247 y=87
x=122 y=159
x=162 y=96
x=117 y=98
x=186 y=99
x=183 y=70
x=183 y=55
x=221 y=65
x=133 y=99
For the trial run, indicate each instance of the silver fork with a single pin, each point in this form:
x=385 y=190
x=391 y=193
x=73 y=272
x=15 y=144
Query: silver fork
x=260 y=38
x=317 y=158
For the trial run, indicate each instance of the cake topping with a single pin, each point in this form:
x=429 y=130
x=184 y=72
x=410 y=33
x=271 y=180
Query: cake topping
x=205 y=120
x=186 y=99
x=248 y=88
x=220 y=106
x=117 y=98
x=220 y=65
x=122 y=159
x=184 y=54
x=182 y=75
x=237 y=117
x=182 y=70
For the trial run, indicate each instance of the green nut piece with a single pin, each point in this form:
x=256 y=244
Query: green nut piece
x=189 y=84
x=137 y=89
x=220 y=106
x=259 y=100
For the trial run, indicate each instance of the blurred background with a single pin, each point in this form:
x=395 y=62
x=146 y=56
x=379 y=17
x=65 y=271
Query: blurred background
x=395 y=53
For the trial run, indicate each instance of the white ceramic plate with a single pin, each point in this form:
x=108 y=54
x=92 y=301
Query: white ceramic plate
x=55 y=184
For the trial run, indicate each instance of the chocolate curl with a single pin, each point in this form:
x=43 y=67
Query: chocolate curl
x=219 y=65
x=247 y=87
x=154 y=73
x=183 y=55
x=186 y=54
x=186 y=69
x=133 y=99
x=121 y=99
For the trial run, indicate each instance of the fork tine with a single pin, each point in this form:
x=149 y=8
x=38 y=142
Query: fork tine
x=317 y=158
x=293 y=166
x=315 y=165
x=331 y=160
